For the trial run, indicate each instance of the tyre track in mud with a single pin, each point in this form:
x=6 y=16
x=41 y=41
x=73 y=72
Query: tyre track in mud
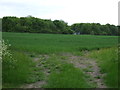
x=89 y=67
x=38 y=84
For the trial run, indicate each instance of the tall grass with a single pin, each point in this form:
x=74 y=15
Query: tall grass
x=16 y=73
x=108 y=61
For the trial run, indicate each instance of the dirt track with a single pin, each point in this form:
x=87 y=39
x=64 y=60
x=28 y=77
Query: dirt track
x=87 y=65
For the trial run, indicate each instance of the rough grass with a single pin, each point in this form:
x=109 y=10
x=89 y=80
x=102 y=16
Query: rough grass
x=63 y=74
x=108 y=61
x=53 y=43
x=15 y=74
x=69 y=77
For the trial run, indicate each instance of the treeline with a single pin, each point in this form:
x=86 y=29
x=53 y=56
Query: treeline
x=95 y=29
x=36 y=25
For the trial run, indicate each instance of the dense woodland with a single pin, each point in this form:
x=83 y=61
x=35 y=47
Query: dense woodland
x=36 y=25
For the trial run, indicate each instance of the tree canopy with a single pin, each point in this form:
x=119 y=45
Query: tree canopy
x=36 y=25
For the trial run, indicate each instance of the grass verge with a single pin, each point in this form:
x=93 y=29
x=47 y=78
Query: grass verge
x=16 y=73
x=108 y=62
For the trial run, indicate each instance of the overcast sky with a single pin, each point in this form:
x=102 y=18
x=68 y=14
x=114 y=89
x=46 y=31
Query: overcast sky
x=71 y=11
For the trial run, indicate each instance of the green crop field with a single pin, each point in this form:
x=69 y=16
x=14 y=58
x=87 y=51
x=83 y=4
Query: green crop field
x=50 y=43
x=60 y=61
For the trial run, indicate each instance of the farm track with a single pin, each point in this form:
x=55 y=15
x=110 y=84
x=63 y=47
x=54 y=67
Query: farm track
x=87 y=65
x=90 y=68
x=40 y=83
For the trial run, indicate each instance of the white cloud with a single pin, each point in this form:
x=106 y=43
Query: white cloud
x=71 y=11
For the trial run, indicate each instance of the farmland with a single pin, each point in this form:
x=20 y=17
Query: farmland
x=51 y=43
x=61 y=61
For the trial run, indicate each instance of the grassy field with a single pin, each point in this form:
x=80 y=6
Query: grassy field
x=43 y=57
x=52 y=43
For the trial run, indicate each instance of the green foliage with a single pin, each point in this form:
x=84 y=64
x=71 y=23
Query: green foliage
x=108 y=61
x=34 y=25
x=95 y=29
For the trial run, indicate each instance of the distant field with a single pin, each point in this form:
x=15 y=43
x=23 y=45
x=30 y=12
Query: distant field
x=51 y=43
